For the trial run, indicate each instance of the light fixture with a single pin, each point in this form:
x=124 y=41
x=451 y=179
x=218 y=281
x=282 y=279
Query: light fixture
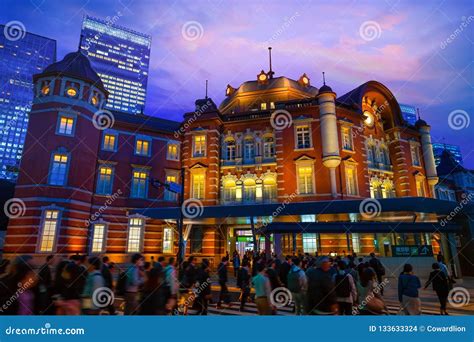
x=95 y=100
x=262 y=77
x=71 y=92
x=369 y=119
x=45 y=90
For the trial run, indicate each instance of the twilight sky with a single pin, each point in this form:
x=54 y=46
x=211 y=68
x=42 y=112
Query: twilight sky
x=421 y=50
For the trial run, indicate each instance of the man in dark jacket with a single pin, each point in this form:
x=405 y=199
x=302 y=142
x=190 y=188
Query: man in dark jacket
x=243 y=282
x=321 y=295
x=222 y=273
x=44 y=288
x=203 y=290
x=284 y=269
x=379 y=270
x=108 y=280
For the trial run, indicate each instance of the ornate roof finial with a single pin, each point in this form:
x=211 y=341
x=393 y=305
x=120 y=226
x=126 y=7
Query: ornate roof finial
x=206 y=89
x=324 y=78
x=418 y=113
x=270 y=73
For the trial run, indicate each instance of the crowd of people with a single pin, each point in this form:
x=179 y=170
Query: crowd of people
x=317 y=285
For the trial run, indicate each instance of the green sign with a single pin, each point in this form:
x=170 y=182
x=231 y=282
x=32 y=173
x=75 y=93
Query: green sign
x=244 y=239
x=407 y=251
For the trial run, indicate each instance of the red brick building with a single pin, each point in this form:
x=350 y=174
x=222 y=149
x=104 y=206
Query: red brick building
x=85 y=176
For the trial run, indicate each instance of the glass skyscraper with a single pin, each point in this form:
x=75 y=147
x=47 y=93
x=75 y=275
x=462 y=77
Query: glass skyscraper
x=455 y=150
x=22 y=56
x=121 y=57
x=408 y=113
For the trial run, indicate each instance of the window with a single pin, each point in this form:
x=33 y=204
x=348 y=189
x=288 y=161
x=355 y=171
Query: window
x=135 y=233
x=142 y=147
x=199 y=146
x=170 y=195
x=167 y=240
x=272 y=105
x=376 y=189
x=310 y=243
x=196 y=240
x=388 y=189
x=173 y=151
x=249 y=151
x=71 y=92
x=269 y=189
x=104 y=180
x=198 y=185
x=139 y=184
x=420 y=188
x=356 y=242
x=49 y=231
x=230 y=150
x=65 y=125
x=59 y=168
x=249 y=190
x=98 y=238
x=229 y=190
x=351 y=183
x=308 y=218
x=303 y=139
x=110 y=142
x=263 y=106
x=346 y=136
x=415 y=155
x=268 y=148
x=305 y=180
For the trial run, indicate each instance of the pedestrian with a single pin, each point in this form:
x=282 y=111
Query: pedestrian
x=94 y=288
x=236 y=262
x=44 y=288
x=440 y=285
x=203 y=288
x=243 y=282
x=346 y=291
x=298 y=285
x=262 y=287
x=171 y=286
x=134 y=280
x=321 y=295
x=106 y=271
x=222 y=274
x=71 y=285
x=151 y=296
x=379 y=270
x=284 y=269
x=370 y=299
x=408 y=285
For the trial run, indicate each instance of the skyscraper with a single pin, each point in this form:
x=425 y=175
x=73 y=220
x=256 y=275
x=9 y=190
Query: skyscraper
x=23 y=54
x=409 y=113
x=121 y=57
x=455 y=150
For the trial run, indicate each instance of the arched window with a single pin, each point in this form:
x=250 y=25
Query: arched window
x=249 y=190
x=269 y=189
x=229 y=188
x=268 y=147
x=376 y=188
x=230 y=150
x=388 y=189
x=249 y=150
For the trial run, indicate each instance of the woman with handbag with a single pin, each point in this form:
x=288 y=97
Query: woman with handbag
x=370 y=299
x=408 y=285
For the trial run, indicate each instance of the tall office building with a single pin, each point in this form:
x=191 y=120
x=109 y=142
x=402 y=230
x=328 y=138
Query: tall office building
x=22 y=54
x=121 y=57
x=455 y=150
x=409 y=113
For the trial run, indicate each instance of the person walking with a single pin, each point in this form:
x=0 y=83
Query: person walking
x=134 y=280
x=171 y=286
x=284 y=269
x=379 y=270
x=95 y=283
x=262 y=287
x=370 y=299
x=243 y=282
x=440 y=285
x=222 y=274
x=321 y=294
x=408 y=285
x=298 y=285
x=236 y=262
x=203 y=288
x=346 y=291
x=108 y=280
x=71 y=285
x=44 y=288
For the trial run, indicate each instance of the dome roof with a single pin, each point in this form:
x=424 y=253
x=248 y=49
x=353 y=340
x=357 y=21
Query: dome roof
x=76 y=64
x=420 y=123
x=325 y=89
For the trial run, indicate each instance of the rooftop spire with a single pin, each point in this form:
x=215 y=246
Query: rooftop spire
x=206 y=88
x=418 y=113
x=270 y=73
x=324 y=78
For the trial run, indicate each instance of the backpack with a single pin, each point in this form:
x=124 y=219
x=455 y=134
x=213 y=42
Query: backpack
x=294 y=281
x=121 y=287
x=343 y=286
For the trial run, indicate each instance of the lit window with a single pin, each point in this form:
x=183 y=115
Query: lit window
x=142 y=147
x=250 y=193
x=58 y=170
x=135 y=233
x=198 y=185
x=351 y=183
x=249 y=151
x=173 y=152
x=71 y=92
x=346 y=138
x=170 y=195
x=303 y=139
x=167 y=240
x=305 y=180
x=268 y=147
x=310 y=243
x=109 y=143
x=95 y=100
x=66 y=125
x=272 y=105
x=230 y=150
x=45 y=90
x=269 y=189
x=415 y=155
x=49 y=231
x=420 y=188
x=199 y=146
x=263 y=106
x=229 y=190
x=98 y=238
x=104 y=181
x=356 y=242
x=139 y=184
